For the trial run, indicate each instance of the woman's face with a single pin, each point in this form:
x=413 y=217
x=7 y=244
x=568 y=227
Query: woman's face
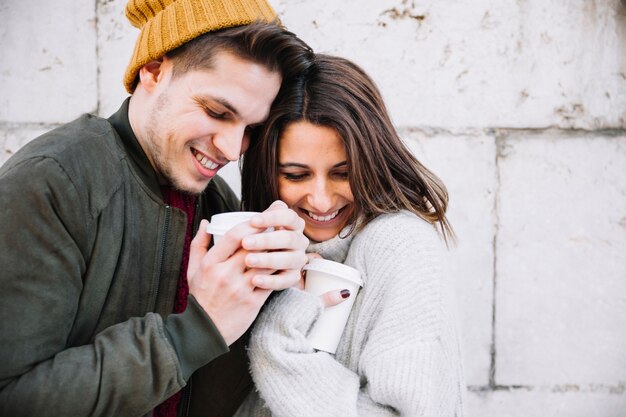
x=313 y=178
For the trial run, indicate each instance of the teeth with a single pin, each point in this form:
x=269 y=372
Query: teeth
x=205 y=162
x=323 y=218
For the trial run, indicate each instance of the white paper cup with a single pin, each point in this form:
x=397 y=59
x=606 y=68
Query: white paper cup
x=322 y=276
x=223 y=222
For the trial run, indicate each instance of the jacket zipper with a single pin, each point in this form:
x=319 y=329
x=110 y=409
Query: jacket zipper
x=166 y=227
x=196 y=217
x=185 y=401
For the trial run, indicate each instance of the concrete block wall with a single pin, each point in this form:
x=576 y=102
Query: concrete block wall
x=520 y=107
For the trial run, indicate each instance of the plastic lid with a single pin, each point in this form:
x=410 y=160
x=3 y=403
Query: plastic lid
x=334 y=268
x=223 y=222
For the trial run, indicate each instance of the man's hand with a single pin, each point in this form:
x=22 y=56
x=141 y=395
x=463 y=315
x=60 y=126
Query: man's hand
x=233 y=279
x=221 y=282
x=282 y=250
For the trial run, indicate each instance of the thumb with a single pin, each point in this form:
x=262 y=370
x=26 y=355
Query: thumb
x=313 y=255
x=199 y=245
x=334 y=297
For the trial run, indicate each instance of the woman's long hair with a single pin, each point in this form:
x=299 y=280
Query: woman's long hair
x=384 y=175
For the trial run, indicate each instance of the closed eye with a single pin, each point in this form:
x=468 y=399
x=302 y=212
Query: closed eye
x=216 y=115
x=294 y=177
x=342 y=175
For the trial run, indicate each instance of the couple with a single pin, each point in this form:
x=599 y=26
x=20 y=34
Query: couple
x=111 y=308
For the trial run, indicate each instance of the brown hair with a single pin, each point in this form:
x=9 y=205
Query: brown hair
x=384 y=175
x=264 y=43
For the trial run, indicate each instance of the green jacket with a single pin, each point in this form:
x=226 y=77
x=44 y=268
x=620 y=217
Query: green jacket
x=90 y=258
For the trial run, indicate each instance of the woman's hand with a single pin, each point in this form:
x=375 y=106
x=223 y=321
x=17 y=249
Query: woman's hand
x=334 y=297
x=330 y=298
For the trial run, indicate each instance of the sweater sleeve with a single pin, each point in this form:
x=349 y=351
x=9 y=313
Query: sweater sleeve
x=291 y=377
x=409 y=364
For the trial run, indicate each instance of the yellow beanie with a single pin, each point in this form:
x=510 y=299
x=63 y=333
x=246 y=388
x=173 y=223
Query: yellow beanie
x=167 y=24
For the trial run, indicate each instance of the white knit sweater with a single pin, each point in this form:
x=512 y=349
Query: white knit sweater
x=399 y=354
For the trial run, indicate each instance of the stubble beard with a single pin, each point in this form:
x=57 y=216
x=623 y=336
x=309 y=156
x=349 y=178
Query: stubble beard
x=158 y=136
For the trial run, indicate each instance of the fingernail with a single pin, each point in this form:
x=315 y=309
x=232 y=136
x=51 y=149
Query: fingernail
x=252 y=260
x=345 y=293
x=256 y=220
x=249 y=241
x=258 y=281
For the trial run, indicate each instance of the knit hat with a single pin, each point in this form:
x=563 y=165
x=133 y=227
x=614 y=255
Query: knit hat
x=167 y=24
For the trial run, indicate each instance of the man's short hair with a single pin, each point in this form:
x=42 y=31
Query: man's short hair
x=263 y=43
x=167 y=24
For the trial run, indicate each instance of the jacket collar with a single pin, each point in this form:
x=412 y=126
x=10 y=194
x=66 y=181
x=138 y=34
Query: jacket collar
x=138 y=159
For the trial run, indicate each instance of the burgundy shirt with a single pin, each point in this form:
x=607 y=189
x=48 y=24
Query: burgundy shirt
x=186 y=203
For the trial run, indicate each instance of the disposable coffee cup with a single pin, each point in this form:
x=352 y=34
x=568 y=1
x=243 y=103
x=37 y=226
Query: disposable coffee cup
x=223 y=222
x=322 y=276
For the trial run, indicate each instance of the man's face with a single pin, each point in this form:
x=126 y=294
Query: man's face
x=199 y=121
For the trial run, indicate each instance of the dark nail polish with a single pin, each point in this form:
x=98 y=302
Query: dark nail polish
x=345 y=293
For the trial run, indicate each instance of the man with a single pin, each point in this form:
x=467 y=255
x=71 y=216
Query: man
x=108 y=307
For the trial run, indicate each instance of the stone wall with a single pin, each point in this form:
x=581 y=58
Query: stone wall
x=519 y=105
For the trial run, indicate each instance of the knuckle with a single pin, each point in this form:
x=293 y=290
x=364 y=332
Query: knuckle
x=248 y=302
x=293 y=240
x=277 y=204
x=205 y=265
x=288 y=217
x=294 y=282
x=221 y=284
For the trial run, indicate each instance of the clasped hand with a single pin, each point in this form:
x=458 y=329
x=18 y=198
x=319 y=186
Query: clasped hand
x=233 y=279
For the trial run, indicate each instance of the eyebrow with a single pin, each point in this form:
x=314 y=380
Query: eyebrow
x=297 y=165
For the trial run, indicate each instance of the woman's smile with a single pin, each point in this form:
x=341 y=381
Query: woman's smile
x=313 y=179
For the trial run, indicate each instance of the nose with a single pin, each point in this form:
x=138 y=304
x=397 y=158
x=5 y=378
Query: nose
x=321 y=195
x=231 y=141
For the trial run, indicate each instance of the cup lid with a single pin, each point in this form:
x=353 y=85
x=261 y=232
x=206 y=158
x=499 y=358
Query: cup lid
x=223 y=222
x=334 y=268
x=215 y=230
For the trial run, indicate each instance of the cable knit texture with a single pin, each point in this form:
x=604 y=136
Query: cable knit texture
x=400 y=352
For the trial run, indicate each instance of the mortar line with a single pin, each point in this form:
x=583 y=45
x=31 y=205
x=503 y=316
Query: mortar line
x=28 y=125
x=619 y=389
x=97 y=39
x=431 y=131
x=498 y=137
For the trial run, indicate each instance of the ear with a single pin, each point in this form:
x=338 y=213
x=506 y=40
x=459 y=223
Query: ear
x=152 y=73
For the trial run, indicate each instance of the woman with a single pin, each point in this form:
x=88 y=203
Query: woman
x=330 y=151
